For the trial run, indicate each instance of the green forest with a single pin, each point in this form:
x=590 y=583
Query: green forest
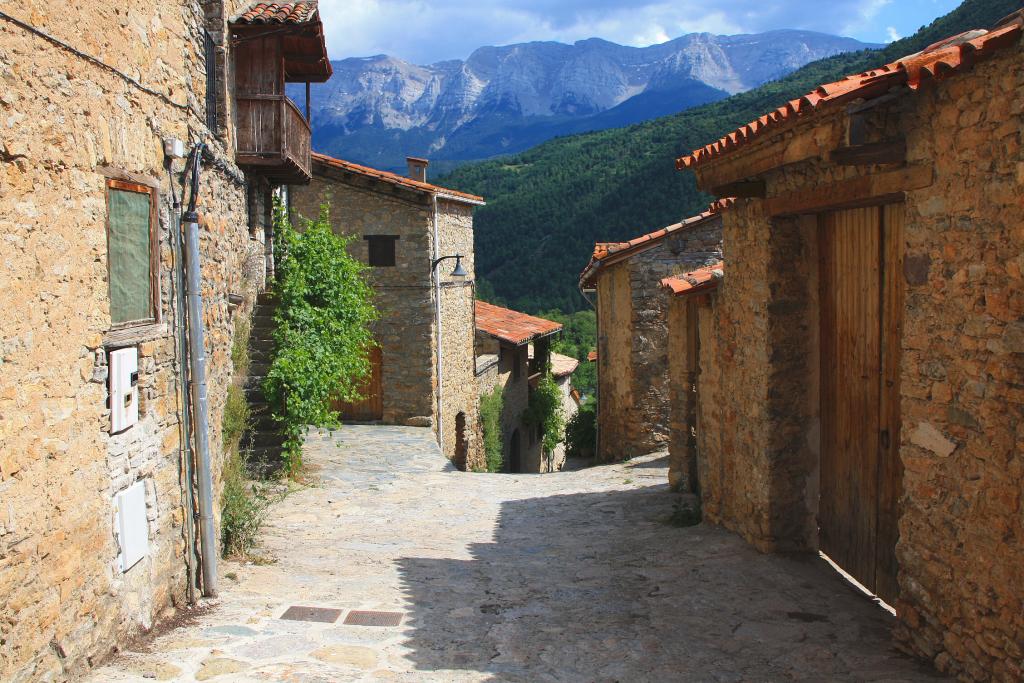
x=547 y=206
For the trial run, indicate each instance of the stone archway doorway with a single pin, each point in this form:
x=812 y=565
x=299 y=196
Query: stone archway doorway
x=461 y=446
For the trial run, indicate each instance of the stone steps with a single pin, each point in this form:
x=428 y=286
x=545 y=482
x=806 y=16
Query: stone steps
x=263 y=439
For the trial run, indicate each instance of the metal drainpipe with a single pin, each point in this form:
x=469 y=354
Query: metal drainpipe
x=181 y=353
x=437 y=313
x=200 y=404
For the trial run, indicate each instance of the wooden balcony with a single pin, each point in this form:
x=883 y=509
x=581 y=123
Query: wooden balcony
x=273 y=139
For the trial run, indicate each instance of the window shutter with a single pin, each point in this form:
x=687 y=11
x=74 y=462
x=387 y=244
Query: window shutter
x=130 y=250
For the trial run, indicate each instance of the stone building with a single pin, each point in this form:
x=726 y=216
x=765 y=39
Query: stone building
x=869 y=341
x=632 y=332
x=97 y=524
x=402 y=225
x=512 y=350
x=562 y=368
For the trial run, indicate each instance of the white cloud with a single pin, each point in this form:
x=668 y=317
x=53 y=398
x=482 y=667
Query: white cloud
x=424 y=31
x=892 y=33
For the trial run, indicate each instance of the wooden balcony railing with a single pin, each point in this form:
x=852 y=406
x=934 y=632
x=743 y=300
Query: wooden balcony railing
x=273 y=138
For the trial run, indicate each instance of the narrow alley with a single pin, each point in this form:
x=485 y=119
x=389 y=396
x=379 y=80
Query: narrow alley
x=571 y=577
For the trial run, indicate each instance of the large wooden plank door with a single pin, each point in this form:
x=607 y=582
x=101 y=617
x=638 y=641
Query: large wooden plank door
x=372 y=406
x=861 y=303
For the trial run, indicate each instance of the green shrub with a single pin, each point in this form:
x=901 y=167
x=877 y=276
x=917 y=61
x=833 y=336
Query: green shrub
x=243 y=507
x=491 y=406
x=581 y=432
x=545 y=411
x=322 y=337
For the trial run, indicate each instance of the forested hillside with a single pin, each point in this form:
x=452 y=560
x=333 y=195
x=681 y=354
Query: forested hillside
x=548 y=205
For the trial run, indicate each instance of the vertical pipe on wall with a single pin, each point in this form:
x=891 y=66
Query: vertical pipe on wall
x=200 y=403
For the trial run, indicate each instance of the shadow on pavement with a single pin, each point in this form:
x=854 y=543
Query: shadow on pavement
x=597 y=587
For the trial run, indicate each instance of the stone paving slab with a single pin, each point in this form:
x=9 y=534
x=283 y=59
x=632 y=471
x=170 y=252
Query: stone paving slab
x=573 y=576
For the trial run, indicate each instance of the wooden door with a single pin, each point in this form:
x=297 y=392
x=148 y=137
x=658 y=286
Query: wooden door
x=861 y=305
x=371 y=408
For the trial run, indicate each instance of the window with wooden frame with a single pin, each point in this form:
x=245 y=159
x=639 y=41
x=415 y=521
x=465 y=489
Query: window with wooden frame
x=132 y=253
x=382 y=250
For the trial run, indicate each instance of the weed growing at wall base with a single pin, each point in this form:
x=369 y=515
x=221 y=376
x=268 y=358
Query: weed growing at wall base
x=322 y=339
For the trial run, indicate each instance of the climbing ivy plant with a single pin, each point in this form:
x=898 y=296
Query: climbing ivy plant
x=322 y=337
x=545 y=410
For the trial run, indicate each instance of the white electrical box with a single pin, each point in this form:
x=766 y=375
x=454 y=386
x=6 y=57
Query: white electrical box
x=124 y=389
x=132 y=527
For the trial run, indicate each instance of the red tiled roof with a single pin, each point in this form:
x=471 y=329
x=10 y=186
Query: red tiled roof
x=936 y=62
x=696 y=281
x=606 y=253
x=563 y=365
x=512 y=326
x=395 y=179
x=592 y=356
x=278 y=13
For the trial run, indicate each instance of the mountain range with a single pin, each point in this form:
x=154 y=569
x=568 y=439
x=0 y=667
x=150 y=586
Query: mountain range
x=502 y=100
x=548 y=205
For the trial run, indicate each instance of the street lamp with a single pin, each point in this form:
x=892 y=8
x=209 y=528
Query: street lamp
x=458 y=273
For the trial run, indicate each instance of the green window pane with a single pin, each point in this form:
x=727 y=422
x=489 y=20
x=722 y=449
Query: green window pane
x=131 y=293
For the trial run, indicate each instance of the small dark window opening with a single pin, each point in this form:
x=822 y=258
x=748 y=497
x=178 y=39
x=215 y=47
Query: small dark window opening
x=382 y=250
x=516 y=362
x=211 y=81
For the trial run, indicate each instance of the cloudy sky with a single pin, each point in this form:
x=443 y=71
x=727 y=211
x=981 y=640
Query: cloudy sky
x=426 y=31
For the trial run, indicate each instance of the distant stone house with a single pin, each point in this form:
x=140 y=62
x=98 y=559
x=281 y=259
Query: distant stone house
x=691 y=368
x=562 y=368
x=403 y=225
x=870 y=341
x=504 y=339
x=99 y=536
x=632 y=332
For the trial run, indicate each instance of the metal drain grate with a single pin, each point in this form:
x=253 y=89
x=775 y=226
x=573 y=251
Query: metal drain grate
x=324 y=615
x=370 y=618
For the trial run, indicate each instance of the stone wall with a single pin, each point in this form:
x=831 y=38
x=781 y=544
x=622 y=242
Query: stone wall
x=569 y=409
x=633 y=391
x=960 y=604
x=70 y=125
x=403 y=292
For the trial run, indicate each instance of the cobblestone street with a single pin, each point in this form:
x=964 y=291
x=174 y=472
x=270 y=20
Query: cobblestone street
x=574 y=576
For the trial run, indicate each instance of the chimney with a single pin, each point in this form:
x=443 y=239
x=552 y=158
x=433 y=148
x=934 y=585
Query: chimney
x=417 y=168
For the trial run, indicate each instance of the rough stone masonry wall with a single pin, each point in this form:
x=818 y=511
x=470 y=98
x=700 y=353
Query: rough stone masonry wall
x=68 y=125
x=403 y=293
x=615 y=413
x=458 y=329
x=640 y=423
x=961 y=601
x=961 y=548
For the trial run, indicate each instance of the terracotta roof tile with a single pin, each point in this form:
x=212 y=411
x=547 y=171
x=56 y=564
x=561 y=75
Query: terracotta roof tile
x=606 y=253
x=278 y=13
x=512 y=326
x=936 y=62
x=563 y=365
x=592 y=356
x=696 y=281
x=394 y=179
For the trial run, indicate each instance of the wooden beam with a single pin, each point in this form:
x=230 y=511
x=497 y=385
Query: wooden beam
x=742 y=189
x=876 y=188
x=888 y=152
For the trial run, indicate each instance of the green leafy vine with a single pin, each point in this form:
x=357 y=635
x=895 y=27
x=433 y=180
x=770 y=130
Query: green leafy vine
x=322 y=337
